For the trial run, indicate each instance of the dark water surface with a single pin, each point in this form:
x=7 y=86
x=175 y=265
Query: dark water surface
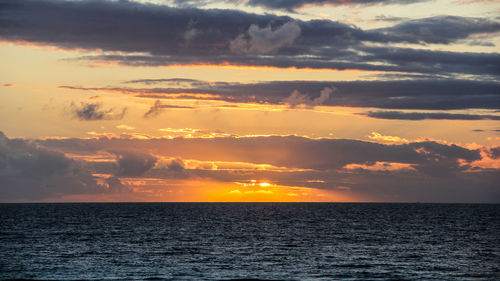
x=271 y=241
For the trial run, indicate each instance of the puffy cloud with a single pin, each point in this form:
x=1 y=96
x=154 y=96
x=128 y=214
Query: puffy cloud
x=116 y=186
x=296 y=98
x=94 y=111
x=265 y=40
x=132 y=164
x=495 y=152
x=191 y=32
x=172 y=168
x=29 y=171
x=175 y=165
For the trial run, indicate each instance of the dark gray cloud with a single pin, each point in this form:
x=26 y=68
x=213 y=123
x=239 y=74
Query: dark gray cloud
x=400 y=115
x=293 y=152
x=401 y=94
x=29 y=171
x=433 y=62
x=192 y=36
x=116 y=186
x=131 y=163
x=295 y=4
x=404 y=60
x=441 y=29
x=158 y=107
x=495 y=152
x=437 y=172
x=174 y=168
x=88 y=111
x=169 y=81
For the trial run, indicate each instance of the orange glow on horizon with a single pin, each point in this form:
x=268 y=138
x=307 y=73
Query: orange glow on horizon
x=200 y=190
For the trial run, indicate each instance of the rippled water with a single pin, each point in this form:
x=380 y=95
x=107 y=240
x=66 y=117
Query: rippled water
x=271 y=241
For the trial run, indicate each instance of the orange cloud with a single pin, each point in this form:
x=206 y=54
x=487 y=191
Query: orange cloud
x=94 y=62
x=391 y=139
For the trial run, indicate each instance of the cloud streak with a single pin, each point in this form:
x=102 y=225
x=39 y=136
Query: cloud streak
x=158 y=107
x=292 y=152
x=292 y=5
x=429 y=94
x=399 y=115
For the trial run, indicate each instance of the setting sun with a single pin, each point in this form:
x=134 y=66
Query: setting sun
x=249 y=140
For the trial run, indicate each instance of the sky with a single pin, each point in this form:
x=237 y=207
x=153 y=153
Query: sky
x=250 y=101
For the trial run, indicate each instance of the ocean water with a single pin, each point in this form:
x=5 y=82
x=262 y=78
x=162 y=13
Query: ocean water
x=257 y=241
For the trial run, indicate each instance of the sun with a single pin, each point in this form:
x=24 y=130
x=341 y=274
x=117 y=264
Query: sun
x=264 y=184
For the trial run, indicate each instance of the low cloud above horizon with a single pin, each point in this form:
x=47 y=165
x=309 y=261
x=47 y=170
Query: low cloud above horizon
x=215 y=100
x=355 y=169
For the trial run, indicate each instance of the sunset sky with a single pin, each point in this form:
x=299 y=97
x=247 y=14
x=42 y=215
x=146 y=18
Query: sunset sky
x=250 y=100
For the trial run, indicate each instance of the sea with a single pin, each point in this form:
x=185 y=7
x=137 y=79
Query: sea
x=249 y=241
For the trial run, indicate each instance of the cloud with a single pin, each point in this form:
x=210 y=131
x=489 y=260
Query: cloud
x=296 y=98
x=390 y=139
x=265 y=40
x=116 y=186
x=388 y=59
x=133 y=164
x=87 y=111
x=171 y=169
x=296 y=4
x=29 y=171
x=440 y=29
x=171 y=36
x=399 y=115
x=495 y=152
x=292 y=151
x=427 y=94
x=191 y=32
x=158 y=107
x=154 y=110
x=169 y=81
x=428 y=171
x=176 y=165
